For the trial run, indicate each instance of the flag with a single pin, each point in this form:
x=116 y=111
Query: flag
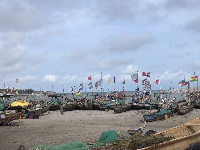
x=123 y=82
x=148 y=74
x=144 y=81
x=96 y=84
x=134 y=76
x=144 y=74
x=17 y=92
x=111 y=80
x=11 y=90
x=137 y=89
x=180 y=83
x=187 y=83
x=157 y=81
x=81 y=87
x=195 y=78
x=90 y=86
x=72 y=89
x=89 y=78
x=16 y=80
x=183 y=83
x=78 y=93
x=100 y=82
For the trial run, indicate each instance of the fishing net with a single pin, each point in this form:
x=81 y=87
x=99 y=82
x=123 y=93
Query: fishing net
x=55 y=102
x=107 y=137
x=162 y=111
x=66 y=146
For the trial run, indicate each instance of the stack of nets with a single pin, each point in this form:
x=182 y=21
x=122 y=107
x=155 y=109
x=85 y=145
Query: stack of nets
x=66 y=146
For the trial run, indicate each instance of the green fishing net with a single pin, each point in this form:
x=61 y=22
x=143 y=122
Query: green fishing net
x=107 y=137
x=66 y=146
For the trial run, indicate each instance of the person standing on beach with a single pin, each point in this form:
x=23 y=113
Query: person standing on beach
x=61 y=108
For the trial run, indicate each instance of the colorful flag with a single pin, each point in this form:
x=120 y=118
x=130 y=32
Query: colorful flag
x=123 y=82
x=11 y=90
x=90 y=86
x=144 y=74
x=96 y=84
x=17 y=93
x=180 y=83
x=148 y=74
x=100 y=82
x=78 y=93
x=144 y=81
x=137 y=89
x=111 y=80
x=81 y=87
x=89 y=78
x=157 y=81
x=195 y=78
x=135 y=77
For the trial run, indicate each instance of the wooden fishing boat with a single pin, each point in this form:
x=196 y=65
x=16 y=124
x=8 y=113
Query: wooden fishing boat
x=117 y=109
x=184 y=136
x=138 y=105
x=8 y=116
x=68 y=107
x=159 y=115
x=183 y=107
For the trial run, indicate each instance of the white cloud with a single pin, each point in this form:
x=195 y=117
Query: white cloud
x=70 y=77
x=50 y=78
x=130 y=69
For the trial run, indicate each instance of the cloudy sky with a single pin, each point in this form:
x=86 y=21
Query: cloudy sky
x=56 y=44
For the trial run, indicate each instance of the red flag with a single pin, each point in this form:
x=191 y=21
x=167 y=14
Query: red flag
x=136 y=81
x=144 y=74
x=157 y=81
x=89 y=78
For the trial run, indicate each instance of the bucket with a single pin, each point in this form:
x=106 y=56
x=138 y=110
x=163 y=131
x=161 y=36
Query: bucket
x=166 y=117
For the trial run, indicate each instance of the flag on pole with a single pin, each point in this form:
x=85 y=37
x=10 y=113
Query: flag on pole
x=17 y=93
x=90 y=86
x=195 y=78
x=111 y=80
x=135 y=77
x=78 y=93
x=123 y=82
x=100 y=82
x=148 y=74
x=89 y=78
x=97 y=84
x=144 y=74
x=144 y=81
x=81 y=87
x=157 y=81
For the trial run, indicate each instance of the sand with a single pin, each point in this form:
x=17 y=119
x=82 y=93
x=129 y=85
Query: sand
x=79 y=125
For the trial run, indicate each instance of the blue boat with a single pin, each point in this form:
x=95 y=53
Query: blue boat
x=159 y=115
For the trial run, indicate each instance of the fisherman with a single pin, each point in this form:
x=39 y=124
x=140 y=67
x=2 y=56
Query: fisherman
x=61 y=108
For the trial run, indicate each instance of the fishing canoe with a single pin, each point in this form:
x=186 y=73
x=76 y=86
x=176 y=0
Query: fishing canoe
x=184 y=135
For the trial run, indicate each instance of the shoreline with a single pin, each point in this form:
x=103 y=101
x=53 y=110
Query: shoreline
x=79 y=126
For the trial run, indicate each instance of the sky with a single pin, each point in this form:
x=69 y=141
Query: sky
x=51 y=45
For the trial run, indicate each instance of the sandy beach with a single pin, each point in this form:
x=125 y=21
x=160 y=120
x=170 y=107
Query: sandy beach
x=79 y=125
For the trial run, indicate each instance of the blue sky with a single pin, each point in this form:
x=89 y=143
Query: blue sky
x=61 y=43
